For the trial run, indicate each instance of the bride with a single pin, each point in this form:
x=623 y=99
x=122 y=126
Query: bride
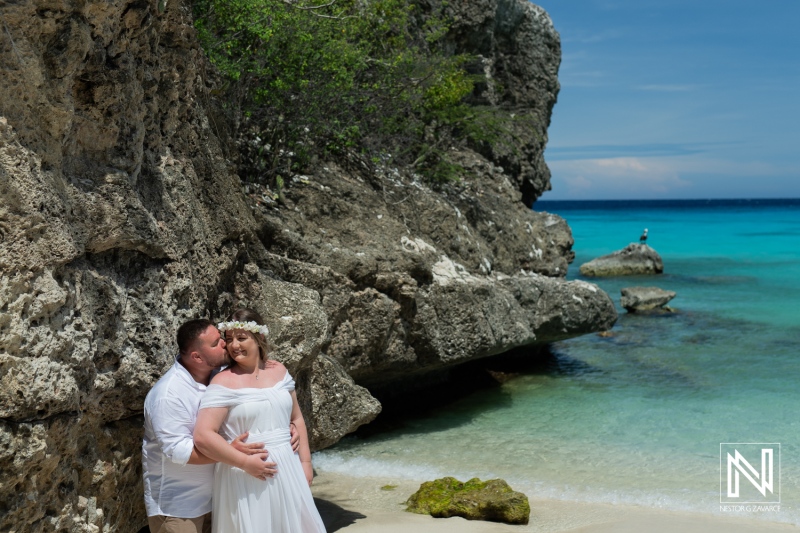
x=257 y=395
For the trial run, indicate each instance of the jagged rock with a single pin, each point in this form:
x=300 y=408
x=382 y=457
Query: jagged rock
x=634 y=259
x=491 y=500
x=645 y=298
x=339 y=406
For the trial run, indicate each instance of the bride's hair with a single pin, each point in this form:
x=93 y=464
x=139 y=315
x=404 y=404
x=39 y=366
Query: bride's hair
x=243 y=314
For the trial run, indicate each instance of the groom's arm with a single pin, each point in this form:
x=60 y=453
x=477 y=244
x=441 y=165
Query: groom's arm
x=197 y=458
x=173 y=425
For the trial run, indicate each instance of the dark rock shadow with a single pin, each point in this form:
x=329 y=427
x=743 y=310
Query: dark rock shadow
x=335 y=517
x=455 y=396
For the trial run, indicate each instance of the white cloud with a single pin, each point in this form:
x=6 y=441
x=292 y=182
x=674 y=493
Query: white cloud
x=670 y=177
x=578 y=183
x=728 y=167
x=625 y=164
x=620 y=177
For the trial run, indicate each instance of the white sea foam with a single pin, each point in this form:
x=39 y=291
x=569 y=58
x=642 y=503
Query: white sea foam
x=328 y=461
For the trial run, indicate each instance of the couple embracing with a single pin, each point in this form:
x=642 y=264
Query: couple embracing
x=227 y=454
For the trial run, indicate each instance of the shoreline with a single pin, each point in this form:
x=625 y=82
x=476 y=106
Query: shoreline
x=355 y=505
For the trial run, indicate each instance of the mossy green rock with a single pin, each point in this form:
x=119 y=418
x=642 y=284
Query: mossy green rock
x=491 y=500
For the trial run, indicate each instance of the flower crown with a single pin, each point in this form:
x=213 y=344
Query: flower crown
x=247 y=326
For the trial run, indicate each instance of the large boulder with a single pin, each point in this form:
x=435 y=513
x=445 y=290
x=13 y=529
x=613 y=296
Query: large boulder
x=638 y=299
x=339 y=406
x=633 y=260
x=491 y=500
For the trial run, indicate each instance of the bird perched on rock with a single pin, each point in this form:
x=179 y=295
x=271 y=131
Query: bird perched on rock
x=643 y=238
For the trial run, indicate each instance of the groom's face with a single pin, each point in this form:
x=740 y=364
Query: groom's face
x=211 y=348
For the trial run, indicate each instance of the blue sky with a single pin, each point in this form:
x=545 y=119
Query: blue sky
x=676 y=99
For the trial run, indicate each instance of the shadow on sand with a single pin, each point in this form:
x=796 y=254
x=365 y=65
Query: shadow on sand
x=335 y=517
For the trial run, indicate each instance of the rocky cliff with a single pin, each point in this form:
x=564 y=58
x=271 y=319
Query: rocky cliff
x=120 y=218
x=518 y=50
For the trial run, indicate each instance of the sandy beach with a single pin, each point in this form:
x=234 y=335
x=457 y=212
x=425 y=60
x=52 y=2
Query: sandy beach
x=368 y=505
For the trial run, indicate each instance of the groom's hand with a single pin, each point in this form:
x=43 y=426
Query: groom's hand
x=257 y=466
x=247 y=448
x=295 y=437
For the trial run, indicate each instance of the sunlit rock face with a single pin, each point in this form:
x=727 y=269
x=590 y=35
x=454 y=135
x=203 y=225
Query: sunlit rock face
x=414 y=280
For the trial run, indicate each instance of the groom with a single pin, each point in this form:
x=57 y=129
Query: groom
x=177 y=477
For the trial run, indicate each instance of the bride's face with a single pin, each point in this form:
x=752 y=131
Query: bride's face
x=242 y=346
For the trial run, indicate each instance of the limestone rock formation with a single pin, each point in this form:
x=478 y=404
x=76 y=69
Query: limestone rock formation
x=491 y=500
x=635 y=259
x=519 y=51
x=638 y=299
x=414 y=280
x=121 y=217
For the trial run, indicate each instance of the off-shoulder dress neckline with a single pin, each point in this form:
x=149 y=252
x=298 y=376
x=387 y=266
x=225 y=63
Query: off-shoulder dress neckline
x=285 y=375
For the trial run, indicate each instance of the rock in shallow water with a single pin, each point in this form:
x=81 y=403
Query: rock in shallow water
x=645 y=298
x=491 y=500
x=634 y=259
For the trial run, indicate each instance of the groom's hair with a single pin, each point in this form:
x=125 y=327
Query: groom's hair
x=189 y=332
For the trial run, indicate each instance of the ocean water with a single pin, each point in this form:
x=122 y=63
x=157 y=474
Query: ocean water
x=638 y=417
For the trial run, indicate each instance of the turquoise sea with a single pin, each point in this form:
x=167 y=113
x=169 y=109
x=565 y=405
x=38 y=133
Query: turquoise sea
x=638 y=418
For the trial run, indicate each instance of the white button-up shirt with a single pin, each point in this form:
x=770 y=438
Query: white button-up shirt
x=172 y=487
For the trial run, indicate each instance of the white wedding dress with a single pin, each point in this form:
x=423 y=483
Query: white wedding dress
x=243 y=503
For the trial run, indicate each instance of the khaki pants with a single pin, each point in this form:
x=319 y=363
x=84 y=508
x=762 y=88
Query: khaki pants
x=171 y=524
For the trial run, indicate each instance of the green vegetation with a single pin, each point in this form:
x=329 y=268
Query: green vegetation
x=368 y=82
x=491 y=500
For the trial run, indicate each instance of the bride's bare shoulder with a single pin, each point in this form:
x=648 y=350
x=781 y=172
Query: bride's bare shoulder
x=276 y=368
x=226 y=378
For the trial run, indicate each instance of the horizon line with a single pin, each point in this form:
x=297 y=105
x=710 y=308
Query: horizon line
x=668 y=199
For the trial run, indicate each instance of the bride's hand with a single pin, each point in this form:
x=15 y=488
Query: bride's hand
x=308 y=470
x=256 y=466
x=241 y=444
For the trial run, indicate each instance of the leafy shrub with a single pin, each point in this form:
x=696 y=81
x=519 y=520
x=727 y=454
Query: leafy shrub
x=365 y=80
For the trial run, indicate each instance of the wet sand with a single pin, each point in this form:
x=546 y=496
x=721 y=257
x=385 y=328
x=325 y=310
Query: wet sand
x=360 y=505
